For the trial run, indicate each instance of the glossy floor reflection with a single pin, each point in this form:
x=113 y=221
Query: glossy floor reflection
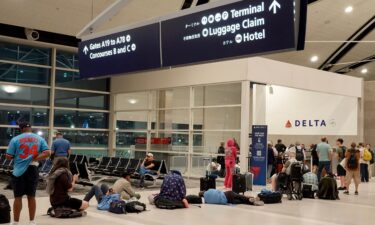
x=349 y=210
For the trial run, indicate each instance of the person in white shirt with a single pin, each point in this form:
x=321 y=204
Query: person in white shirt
x=214 y=168
x=298 y=151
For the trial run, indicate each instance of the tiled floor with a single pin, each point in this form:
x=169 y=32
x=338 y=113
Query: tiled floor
x=349 y=210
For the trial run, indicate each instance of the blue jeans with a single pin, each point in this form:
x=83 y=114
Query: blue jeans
x=364 y=172
x=142 y=172
x=324 y=165
x=98 y=192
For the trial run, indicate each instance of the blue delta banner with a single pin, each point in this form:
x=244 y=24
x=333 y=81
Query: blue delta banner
x=258 y=164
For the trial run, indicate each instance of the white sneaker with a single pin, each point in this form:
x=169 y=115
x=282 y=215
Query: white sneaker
x=14 y=223
x=32 y=223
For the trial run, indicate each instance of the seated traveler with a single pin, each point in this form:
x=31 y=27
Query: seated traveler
x=214 y=196
x=146 y=167
x=122 y=186
x=172 y=191
x=286 y=169
x=60 y=182
x=214 y=168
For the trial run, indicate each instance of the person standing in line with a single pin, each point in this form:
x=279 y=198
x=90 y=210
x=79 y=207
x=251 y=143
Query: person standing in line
x=270 y=161
x=60 y=147
x=281 y=148
x=371 y=166
x=230 y=162
x=220 y=159
x=363 y=163
x=324 y=151
x=352 y=156
x=26 y=150
x=314 y=158
x=341 y=173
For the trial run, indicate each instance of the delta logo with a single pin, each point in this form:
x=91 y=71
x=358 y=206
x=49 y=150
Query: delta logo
x=306 y=123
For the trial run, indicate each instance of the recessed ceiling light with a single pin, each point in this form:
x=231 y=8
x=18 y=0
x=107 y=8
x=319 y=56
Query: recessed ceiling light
x=364 y=70
x=72 y=126
x=40 y=133
x=10 y=89
x=133 y=101
x=314 y=58
x=349 y=9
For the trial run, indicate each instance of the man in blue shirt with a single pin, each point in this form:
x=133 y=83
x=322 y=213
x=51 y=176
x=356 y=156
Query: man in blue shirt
x=324 y=151
x=26 y=150
x=60 y=146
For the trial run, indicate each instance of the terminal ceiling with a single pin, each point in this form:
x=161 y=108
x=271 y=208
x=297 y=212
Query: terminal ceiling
x=343 y=42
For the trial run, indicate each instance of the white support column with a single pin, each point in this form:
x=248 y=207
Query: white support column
x=245 y=125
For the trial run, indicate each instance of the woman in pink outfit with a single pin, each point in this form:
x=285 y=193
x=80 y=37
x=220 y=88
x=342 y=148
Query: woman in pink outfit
x=230 y=162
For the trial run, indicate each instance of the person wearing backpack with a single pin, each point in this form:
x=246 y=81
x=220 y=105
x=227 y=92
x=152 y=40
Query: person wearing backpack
x=298 y=150
x=341 y=173
x=371 y=167
x=364 y=162
x=352 y=168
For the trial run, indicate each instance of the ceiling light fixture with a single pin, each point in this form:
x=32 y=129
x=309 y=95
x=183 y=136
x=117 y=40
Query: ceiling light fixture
x=314 y=58
x=349 y=9
x=40 y=133
x=10 y=89
x=133 y=101
x=364 y=70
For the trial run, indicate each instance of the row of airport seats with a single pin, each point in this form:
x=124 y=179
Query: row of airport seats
x=89 y=168
x=6 y=166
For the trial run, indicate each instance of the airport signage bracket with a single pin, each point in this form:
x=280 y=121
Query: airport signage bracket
x=233 y=30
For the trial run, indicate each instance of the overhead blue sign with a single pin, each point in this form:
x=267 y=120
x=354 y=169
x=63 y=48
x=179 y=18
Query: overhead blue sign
x=128 y=51
x=242 y=28
x=258 y=163
x=238 y=29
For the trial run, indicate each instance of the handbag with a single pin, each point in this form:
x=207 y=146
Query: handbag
x=343 y=163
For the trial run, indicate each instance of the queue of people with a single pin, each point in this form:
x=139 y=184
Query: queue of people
x=354 y=163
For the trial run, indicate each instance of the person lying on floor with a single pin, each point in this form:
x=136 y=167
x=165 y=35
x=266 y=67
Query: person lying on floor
x=214 y=196
x=59 y=183
x=122 y=186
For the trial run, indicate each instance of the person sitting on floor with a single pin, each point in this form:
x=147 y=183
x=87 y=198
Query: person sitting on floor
x=122 y=186
x=146 y=167
x=214 y=196
x=328 y=188
x=59 y=183
x=172 y=192
x=286 y=169
x=214 y=168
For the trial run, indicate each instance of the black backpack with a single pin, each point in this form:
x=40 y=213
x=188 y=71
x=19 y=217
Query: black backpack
x=164 y=203
x=352 y=161
x=117 y=207
x=271 y=197
x=64 y=213
x=372 y=158
x=4 y=210
x=194 y=199
x=296 y=171
x=135 y=207
x=299 y=154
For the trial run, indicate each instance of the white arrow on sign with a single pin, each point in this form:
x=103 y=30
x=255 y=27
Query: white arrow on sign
x=85 y=50
x=274 y=6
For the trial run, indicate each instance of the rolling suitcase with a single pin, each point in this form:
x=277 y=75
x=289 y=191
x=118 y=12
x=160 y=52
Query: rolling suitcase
x=207 y=182
x=239 y=183
x=249 y=181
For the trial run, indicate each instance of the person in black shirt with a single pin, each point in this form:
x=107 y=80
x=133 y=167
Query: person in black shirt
x=146 y=167
x=315 y=158
x=281 y=148
x=270 y=161
x=220 y=159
